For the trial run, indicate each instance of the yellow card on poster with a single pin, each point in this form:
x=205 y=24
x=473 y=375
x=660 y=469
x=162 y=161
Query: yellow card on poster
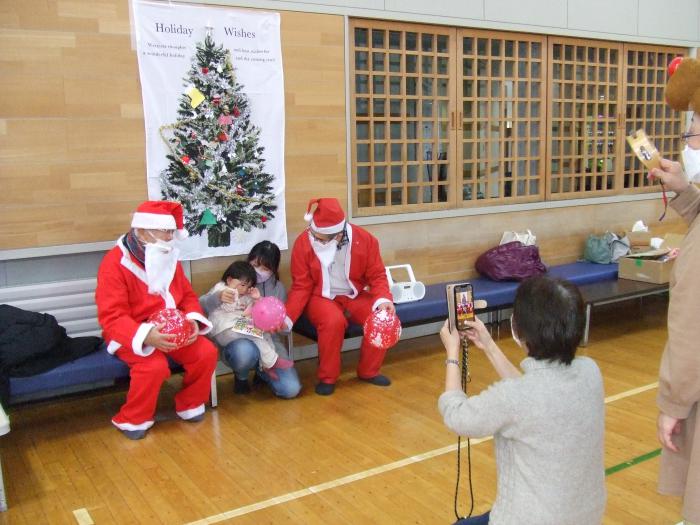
x=196 y=96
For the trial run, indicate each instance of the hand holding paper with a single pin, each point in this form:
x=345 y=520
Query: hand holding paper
x=644 y=149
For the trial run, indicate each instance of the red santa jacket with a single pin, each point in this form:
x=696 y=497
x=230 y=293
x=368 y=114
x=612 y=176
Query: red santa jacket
x=124 y=304
x=366 y=269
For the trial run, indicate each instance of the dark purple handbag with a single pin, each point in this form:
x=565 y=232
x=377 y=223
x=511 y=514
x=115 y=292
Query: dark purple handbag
x=512 y=261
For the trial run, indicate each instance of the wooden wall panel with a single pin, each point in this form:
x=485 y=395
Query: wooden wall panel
x=72 y=144
x=446 y=249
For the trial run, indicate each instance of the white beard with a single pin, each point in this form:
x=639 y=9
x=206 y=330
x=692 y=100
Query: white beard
x=161 y=261
x=691 y=163
x=325 y=252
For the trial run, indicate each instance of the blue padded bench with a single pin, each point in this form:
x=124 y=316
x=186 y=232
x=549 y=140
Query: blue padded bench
x=497 y=294
x=72 y=303
x=97 y=369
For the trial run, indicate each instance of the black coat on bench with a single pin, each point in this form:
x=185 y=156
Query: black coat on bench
x=32 y=343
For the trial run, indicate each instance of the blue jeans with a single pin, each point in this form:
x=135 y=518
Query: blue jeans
x=242 y=356
x=483 y=519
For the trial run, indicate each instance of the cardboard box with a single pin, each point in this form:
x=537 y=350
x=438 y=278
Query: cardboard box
x=652 y=266
x=639 y=238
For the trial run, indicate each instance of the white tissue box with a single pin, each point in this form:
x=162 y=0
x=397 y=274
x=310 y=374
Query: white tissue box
x=639 y=238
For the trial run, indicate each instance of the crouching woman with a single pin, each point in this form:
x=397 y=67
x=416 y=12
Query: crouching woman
x=547 y=421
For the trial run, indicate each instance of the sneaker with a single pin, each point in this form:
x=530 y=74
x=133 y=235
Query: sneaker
x=325 y=389
x=134 y=434
x=378 y=380
x=241 y=386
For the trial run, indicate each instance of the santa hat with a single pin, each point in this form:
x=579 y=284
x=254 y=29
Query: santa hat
x=328 y=217
x=160 y=215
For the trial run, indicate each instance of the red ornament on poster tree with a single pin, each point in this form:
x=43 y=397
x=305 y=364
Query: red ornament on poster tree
x=268 y=313
x=175 y=324
x=382 y=329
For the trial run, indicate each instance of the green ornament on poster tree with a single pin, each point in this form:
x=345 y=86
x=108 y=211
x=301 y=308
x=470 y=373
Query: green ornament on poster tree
x=207 y=219
x=216 y=236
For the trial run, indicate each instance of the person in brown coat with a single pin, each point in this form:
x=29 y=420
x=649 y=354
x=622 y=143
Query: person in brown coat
x=678 y=425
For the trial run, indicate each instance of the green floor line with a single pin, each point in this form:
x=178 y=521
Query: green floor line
x=632 y=462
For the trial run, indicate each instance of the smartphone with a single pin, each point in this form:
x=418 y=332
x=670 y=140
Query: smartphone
x=460 y=304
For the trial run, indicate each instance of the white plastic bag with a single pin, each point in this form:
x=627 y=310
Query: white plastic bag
x=526 y=237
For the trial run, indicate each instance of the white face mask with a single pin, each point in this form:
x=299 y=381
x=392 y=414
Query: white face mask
x=161 y=261
x=513 y=334
x=691 y=163
x=325 y=252
x=262 y=275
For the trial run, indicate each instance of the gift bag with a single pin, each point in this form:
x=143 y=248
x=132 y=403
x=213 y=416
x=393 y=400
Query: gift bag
x=512 y=261
x=527 y=237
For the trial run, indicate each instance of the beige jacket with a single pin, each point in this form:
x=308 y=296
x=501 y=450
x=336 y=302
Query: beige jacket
x=679 y=374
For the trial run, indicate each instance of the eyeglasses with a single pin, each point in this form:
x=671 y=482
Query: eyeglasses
x=322 y=240
x=687 y=135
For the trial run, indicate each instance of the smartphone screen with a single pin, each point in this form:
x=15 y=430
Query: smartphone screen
x=463 y=305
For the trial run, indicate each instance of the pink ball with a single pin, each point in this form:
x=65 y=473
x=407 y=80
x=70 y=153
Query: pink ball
x=382 y=329
x=268 y=313
x=175 y=324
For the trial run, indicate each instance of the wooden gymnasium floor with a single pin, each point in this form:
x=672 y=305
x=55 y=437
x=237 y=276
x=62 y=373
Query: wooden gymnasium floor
x=363 y=455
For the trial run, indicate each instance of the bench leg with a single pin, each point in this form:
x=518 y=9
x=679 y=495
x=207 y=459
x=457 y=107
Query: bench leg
x=587 y=325
x=290 y=346
x=214 y=394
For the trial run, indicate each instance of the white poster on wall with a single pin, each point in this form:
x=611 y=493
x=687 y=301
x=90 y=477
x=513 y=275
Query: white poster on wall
x=213 y=100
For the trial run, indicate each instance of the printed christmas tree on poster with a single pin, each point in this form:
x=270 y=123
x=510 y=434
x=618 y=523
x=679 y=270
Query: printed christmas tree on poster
x=216 y=165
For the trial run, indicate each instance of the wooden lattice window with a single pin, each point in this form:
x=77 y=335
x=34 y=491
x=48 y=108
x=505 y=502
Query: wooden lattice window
x=584 y=106
x=502 y=117
x=443 y=118
x=645 y=108
x=401 y=106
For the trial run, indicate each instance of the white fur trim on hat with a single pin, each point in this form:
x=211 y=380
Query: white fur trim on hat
x=153 y=221
x=335 y=228
x=158 y=221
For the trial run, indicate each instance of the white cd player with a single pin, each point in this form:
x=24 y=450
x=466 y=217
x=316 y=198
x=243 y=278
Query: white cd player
x=407 y=291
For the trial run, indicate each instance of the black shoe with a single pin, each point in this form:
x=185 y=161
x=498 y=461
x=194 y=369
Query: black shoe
x=134 y=434
x=258 y=380
x=241 y=386
x=325 y=389
x=378 y=380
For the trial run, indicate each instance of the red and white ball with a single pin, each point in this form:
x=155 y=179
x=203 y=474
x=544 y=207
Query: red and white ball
x=382 y=329
x=175 y=324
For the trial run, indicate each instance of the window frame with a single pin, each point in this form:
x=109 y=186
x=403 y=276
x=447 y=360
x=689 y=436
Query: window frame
x=454 y=121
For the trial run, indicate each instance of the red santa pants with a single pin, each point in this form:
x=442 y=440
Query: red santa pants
x=148 y=373
x=328 y=316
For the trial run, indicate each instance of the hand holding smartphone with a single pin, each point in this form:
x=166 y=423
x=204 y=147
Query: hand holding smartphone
x=460 y=305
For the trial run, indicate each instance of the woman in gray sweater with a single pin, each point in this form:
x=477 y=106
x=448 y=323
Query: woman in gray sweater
x=547 y=422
